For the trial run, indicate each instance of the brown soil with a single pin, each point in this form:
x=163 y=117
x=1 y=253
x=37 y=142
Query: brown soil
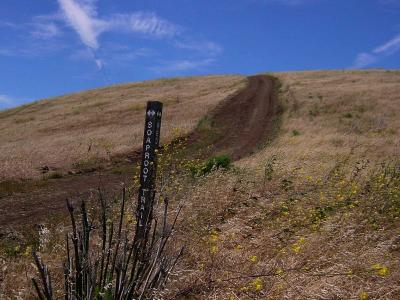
x=240 y=123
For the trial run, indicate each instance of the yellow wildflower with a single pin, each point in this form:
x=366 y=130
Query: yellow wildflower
x=296 y=247
x=28 y=251
x=364 y=296
x=253 y=258
x=257 y=284
x=283 y=251
x=279 y=272
x=129 y=218
x=381 y=270
x=238 y=247
x=213 y=236
x=213 y=249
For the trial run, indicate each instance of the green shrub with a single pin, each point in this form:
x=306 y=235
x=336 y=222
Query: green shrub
x=9 y=187
x=269 y=168
x=313 y=112
x=348 y=115
x=89 y=165
x=55 y=175
x=214 y=163
x=295 y=132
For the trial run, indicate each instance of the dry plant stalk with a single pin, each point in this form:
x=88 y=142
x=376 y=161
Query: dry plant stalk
x=120 y=266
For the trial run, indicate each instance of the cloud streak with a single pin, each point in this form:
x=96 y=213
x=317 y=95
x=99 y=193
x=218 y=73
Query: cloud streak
x=83 y=18
x=145 y=23
x=6 y=102
x=288 y=2
x=45 y=30
x=366 y=59
x=206 y=47
x=87 y=25
x=182 y=65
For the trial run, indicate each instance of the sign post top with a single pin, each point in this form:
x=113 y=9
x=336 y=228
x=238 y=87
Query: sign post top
x=154 y=104
x=154 y=109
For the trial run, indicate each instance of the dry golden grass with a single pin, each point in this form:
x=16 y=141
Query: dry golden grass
x=295 y=220
x=334 y=113
x=101 y=123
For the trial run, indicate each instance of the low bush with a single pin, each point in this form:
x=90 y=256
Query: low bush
x=295 y=132
x=214 y=163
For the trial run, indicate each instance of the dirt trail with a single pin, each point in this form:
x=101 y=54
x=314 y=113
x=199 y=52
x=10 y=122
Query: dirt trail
x=245 y=121
x=242 y=123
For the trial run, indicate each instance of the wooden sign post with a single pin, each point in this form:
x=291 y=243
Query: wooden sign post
x=148 y=170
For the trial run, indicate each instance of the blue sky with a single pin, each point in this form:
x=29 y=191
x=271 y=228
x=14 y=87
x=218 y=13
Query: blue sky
x=53 y=47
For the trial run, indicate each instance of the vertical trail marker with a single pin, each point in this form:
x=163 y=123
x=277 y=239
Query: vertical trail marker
x=148 y=169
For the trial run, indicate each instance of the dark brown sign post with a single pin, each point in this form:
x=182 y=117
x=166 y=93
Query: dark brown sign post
x=148 y=170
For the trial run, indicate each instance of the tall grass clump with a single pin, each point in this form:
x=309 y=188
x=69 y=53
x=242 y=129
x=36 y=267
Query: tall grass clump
x=105 y=260
x=105 y=256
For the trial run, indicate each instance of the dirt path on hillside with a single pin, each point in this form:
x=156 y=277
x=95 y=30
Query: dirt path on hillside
x=242 y=123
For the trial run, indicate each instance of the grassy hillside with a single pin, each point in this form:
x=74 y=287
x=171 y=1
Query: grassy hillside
x=312 y=214
x=315 y=214
x=99 y=124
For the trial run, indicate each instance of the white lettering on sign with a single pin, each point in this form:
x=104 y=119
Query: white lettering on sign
x=142 y=204
x=149 y=133
x=148 y=172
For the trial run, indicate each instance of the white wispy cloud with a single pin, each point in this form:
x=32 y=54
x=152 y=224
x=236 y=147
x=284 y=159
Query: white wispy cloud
x=206 y=47
x=6 y=52
x=82 y=55
x=6 y=101
x=131 y=55
x=6 y=24
x=33 y=50
x=45 y=30
x=113 y=54
x=87 y=54
x=291 y=2
x=99 y=63
x=182 y=65
x=82 y=18
x=146 y=23
x=366 y=59
x=389 y=47
x=288 y=2
x=389 y=2
x=363 y=60
x=41 y=27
